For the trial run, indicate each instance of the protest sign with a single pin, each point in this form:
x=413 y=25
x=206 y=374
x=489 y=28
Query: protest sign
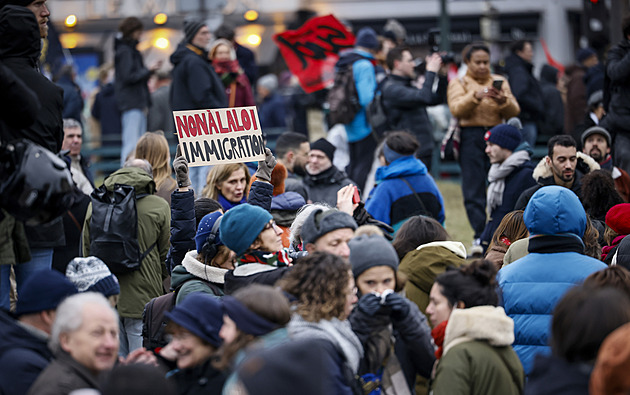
x=220 y=136
x=312 y=50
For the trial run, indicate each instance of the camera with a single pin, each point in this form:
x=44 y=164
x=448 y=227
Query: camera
x=433 y=40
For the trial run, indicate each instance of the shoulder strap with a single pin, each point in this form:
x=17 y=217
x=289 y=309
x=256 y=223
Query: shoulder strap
x=424 y=208
x=152 y=246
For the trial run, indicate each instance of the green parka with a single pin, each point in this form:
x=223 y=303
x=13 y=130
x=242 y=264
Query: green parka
x=154 y=218
x=478 y=357
x=424 y=264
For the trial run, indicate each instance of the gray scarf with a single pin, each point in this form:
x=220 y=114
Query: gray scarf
x=497 y=174
x=337 y=332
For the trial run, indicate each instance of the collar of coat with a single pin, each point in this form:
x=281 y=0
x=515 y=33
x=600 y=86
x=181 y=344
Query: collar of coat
x=543 y=169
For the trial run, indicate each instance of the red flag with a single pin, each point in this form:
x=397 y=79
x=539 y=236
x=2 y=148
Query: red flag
x=550 y=58
x=312 y=50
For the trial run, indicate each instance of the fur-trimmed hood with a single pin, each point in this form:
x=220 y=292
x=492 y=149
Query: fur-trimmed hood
x=486 y=323
x=193 y=268
x=585 y=165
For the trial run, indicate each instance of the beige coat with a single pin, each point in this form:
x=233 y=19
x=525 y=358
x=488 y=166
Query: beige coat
x=474 y=112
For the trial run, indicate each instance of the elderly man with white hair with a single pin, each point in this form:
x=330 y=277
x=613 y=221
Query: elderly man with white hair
x=85 y=342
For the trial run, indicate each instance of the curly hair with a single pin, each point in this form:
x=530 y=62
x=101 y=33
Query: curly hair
x=512 y=227
x=320 y=285
x=592 y=247
x=599 y=194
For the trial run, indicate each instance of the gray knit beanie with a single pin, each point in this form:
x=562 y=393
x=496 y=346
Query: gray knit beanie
x=367 y=251
x=321 y=222
x=92 y=275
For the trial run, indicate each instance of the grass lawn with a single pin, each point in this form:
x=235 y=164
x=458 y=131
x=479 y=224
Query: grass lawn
x=456 y=220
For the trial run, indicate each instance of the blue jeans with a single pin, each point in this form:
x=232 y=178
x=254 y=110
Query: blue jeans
x=130 y=335
x=475 y=165
x=198 y=178
x=530 y=133
x=41 y=259
x=134 y=125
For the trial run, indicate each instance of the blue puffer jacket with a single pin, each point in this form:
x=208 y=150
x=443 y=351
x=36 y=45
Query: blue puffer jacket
x=533 y=285
x=393 y=201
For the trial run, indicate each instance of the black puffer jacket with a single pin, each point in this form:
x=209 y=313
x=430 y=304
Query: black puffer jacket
x=618 y=82
x=132 y=91
x=525 y=87
x=19 y=50
x=195 y=85
x=406 y=106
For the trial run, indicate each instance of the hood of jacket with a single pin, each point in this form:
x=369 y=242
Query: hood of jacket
x=15 y=336
x=549 y=74
x=405 y=166
x=485 y=323
x=191 y=268
x=288 y=201
x=352 y=56
x=19 y=34
x=331 y=175
x=125 y=42
x=136 y=177
x=555 y=210
x=513 y=60
x=424 y=263
x=542 y=171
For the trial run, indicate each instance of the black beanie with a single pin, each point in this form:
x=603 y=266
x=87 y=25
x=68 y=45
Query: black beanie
x=191 y=27
x=325 y=146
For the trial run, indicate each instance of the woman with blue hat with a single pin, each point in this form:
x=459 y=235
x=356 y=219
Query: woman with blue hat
x=194 y=330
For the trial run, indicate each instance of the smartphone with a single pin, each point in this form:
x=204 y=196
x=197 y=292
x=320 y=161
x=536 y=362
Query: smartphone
x=356 y=198
x=497 y=84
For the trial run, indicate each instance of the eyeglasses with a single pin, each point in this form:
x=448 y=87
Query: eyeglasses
x=271 y=224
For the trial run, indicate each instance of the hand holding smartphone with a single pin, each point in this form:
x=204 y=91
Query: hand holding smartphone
x=356 y=198
x=497 y=84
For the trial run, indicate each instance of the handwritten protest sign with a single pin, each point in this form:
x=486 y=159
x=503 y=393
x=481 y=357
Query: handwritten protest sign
x=312 y=50
x=225 y=135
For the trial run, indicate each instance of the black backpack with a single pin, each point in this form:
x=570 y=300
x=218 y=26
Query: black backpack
x=114 y=228
x=343 y=98
x=154 y=316
x=376 y=114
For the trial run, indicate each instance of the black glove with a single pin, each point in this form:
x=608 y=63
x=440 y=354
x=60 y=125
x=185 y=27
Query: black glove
x=369 y=304
x=398 y=305
x=265 y=167
x=180 y=165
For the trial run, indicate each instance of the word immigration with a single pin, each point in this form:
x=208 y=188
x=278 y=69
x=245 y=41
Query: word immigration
x=216 y=136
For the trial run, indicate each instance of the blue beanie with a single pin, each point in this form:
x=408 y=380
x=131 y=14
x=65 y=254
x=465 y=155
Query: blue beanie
x=367 y=38
x=43 y=290
x=241 y=226
x=505 y=136
x=92 y=275
x=200 y=314
x=205 y=228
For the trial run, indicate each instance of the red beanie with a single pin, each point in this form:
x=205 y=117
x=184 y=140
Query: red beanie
x=618 y=218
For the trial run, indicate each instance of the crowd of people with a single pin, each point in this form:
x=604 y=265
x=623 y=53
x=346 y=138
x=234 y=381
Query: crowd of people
x=294 y=275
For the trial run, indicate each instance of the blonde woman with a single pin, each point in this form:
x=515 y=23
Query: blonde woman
x=228 y=184
x=154 y=148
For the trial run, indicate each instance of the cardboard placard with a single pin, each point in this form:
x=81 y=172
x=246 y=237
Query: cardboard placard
x=220 y=136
